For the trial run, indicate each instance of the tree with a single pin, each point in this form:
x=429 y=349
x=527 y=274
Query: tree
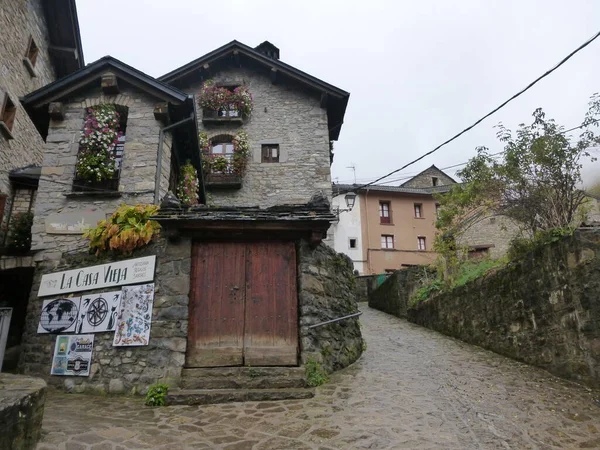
x=535 y=182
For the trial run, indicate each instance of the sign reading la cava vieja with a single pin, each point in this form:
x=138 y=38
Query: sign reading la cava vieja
x=131 y=271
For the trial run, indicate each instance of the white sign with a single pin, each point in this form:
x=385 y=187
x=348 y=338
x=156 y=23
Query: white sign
x=135 y=316
x=74 y=222
x=113 y=274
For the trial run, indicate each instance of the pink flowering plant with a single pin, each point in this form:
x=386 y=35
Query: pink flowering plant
x=187 y=191
x=218 y=98
x=96 y=159
x=217 y=163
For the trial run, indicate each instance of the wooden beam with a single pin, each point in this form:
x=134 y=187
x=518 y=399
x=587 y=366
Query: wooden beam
x=63 y=51
x=161 y=112
x=324 y=98
x=109 y=83
x=274 y=73
x=56 y=110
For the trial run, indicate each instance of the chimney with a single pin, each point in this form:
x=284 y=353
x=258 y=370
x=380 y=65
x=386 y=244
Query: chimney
x=268 y=49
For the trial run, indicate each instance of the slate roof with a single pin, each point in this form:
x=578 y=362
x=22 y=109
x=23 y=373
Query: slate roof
x=392 y=189
x=286 y=213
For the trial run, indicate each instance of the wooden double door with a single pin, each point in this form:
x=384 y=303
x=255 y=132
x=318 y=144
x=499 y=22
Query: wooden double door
x=243 y=305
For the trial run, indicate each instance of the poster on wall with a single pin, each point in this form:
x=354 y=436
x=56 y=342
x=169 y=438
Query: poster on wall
x=73 y=355
x=59 y=315
x=98 y=312
x=135 y=315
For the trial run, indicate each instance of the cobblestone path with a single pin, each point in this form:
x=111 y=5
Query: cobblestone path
x=412 y=389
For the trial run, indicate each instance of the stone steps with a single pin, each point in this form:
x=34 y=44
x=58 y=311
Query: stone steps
x=208 y=396
x=243 y=378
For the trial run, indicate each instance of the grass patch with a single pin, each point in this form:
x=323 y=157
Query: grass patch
x=315 y=375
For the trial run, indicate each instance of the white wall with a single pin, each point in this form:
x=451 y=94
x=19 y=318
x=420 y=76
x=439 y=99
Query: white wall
x=348 y=227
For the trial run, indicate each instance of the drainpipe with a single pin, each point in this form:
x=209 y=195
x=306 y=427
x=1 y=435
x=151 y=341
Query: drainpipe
x=368 y=235
x=161 y=137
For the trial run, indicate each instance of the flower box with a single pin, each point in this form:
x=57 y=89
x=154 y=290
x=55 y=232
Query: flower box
x=223 y=180
x=98 y=187
x=220 y=116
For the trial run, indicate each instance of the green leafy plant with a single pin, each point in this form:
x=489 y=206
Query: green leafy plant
x=187 y=191
x=315 y=374
x=519 y=247
x=19 y=231
x=157 y=395
x=127 y=229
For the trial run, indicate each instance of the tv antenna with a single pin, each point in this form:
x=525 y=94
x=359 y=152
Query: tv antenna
x=353 y=167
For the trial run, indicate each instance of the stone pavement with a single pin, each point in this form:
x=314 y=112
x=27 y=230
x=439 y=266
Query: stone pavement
x=412 y=389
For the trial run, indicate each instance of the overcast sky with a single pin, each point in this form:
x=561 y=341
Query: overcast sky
x=417 y=72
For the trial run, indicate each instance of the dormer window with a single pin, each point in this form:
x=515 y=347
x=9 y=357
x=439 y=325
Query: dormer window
x=31 y=56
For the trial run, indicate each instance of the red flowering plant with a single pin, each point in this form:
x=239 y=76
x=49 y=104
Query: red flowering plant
x=224 y=101
x=187 y=191
x=96 y=159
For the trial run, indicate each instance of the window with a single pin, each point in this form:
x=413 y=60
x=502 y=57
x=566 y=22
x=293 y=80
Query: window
x=352 y=242
x=387 y=241
x=418 y=209
x=389 y=270
x=7 y=115
x=421 y=243
x=32 y=52
x=437 y=210
x=384 y=212
x=434 y=181
x=270 y=153
x=222 y=149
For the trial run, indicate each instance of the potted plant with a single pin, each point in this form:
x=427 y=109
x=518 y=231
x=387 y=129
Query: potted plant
x=187 y=190
x=225 y=171
x=219 y=103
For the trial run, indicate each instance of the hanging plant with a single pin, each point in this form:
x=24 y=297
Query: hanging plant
x=127 y=229
x=187 y=191
x=19 y=231
x=216 y=98
x=218 y=163
x=100 y=134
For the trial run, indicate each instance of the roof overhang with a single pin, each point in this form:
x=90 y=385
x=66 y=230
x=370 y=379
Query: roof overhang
x=66 y=52
x=334 y=99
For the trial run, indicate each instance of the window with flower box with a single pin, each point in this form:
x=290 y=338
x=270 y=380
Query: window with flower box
x=101 y=147
x=224 y=102
x=224 y=159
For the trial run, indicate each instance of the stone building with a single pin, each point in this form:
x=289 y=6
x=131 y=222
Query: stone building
x=40 y=43
x=237 y=282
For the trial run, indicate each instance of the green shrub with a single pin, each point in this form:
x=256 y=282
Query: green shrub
x=472 y=270
x=519 y=247
x=157 y=395
x=315 y=374
x=19 y=231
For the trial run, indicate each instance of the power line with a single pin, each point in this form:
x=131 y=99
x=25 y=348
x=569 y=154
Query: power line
x=502 y=105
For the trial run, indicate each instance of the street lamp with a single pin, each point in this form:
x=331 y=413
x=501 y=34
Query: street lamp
x=350 y=198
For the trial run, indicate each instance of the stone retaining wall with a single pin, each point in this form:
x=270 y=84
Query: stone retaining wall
x=543 y=310
x=21 y=411
x=393 y=295
x=326 y=290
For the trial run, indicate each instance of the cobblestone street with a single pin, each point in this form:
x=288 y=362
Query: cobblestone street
x=412 y=389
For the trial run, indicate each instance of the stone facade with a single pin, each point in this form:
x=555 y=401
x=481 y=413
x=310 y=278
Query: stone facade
x=20 y=20
x=543 y=310
x=494 y=231
x=425 y=179
x=122 y=369
x=138 y=171
x=21 y=411
x=326 y=290
x=282 y=115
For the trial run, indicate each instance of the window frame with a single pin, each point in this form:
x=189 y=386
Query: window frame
x=435 y=181
x=222 y=140
x=32 y=52
x=8 y=114
x=421 y=248
x=418 y=207
x=266 y=153
x=386 y=238
x=437 y=209
x=350 y=239
x=383 y=219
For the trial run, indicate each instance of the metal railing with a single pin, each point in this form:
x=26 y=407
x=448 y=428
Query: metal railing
x=335 y=320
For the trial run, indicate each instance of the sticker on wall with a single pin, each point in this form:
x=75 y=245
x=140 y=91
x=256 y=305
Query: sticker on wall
x=73 y=355
x=135 y=315
x=59 y=315
x=98 y=312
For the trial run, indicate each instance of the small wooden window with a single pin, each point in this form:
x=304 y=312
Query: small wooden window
x=387 y=241
x=437 y=210
x=434 y=181
x=421 y=245
x=352 y=242
x=418 y=210
x=8 y=111
x=270 y=153
x=32 y=51
x=384 y=212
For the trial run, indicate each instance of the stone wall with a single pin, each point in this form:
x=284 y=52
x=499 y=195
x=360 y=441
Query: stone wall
x=543 y=310
x=496 y=231
x=20 y=19
x=424 y=180
x=326 y=290
x=138 y=170
x=393 y=295
x=282 y=115
x=122 y=369
x=21 y=411
x=365 y=284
